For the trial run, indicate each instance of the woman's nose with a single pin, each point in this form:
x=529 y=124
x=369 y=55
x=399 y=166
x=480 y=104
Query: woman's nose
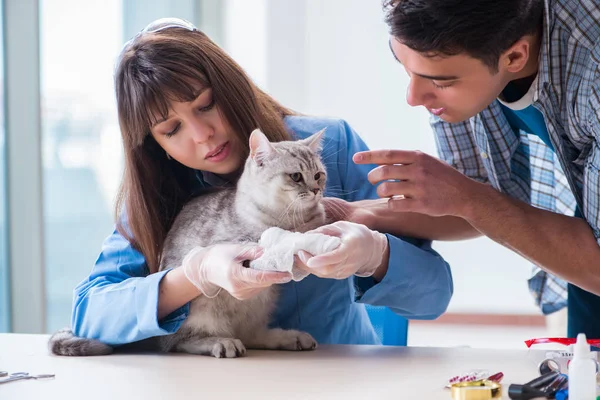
x=201 y=132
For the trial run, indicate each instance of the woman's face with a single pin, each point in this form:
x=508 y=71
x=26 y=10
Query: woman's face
x=196 y=135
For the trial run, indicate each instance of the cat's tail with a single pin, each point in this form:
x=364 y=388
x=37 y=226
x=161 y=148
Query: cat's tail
x=65 y=343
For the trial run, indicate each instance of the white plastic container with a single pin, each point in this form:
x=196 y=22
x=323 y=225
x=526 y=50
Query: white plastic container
x=582 y=371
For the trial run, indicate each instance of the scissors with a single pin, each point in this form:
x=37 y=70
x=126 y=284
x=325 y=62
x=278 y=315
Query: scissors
x=17 y=376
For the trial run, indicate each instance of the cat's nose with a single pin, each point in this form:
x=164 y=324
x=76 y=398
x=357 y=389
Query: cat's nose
x=315 y=191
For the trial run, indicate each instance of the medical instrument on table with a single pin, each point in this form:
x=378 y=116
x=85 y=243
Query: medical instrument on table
x=474 y=376
x=559 y=360
x=533 y=388
x=17 y=376
x=478 y=390
x=543 y=386
x=559 y=383
x=562 y=394
x=543 y=380
x=564 y=341
x=582 y=371
x=548 y=365
x=524 y=392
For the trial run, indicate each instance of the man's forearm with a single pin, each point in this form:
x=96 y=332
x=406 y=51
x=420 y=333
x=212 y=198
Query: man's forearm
x=562 y=245
x=377 y=216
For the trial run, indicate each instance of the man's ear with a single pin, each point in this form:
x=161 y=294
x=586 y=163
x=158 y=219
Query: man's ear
x=515 y=58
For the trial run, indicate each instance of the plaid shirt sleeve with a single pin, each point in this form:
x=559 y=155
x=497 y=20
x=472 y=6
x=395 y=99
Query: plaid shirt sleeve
x=456 y=146
x=591 y=189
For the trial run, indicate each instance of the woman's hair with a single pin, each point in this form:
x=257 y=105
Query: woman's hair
x=154 y=69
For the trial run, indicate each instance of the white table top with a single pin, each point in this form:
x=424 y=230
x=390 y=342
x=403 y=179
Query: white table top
x=332 y=372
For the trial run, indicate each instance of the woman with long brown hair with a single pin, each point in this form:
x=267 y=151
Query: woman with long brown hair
x=186 y=111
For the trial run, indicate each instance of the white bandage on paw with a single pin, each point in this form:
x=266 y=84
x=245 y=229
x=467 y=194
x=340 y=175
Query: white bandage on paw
x=280 y=247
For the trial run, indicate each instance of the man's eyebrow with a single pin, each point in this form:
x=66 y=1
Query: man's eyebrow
x=432 y=77
x=438 y=77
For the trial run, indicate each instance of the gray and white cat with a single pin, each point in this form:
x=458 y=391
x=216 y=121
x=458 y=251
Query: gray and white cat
x=281 y=185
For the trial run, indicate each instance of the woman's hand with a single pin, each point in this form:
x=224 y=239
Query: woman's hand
x=361 y=253
x=218 y=267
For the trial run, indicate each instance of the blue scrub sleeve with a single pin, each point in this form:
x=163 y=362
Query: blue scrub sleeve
x=118 y=302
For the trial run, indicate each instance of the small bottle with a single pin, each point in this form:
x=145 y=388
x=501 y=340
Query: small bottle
x=582 y=371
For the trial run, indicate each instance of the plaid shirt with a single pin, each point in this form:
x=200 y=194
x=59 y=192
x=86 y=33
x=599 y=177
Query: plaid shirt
x=487 y=149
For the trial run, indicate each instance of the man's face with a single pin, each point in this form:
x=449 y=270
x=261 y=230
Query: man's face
x=455 y=88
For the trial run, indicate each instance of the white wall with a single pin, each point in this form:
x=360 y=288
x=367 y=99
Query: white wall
x=332 y=58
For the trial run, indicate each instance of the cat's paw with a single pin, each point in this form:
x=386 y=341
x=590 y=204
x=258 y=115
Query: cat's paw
x=281 y=339
x=228 y=348
x=298 y=341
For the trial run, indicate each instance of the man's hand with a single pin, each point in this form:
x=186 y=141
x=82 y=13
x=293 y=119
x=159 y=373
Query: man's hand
x=417 y=182
x=562 y=245
x=359 y=212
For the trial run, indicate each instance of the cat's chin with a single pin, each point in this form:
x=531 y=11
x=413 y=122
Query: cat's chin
x=303 y=215
x=310 y=204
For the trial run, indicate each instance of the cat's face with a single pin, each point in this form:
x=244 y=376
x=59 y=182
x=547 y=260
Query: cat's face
x=288 y=173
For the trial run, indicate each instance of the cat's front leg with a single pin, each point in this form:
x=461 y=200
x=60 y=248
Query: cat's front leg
x=212 y=346
x=280 y=339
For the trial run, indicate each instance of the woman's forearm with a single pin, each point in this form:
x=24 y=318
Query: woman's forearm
x=175 y=290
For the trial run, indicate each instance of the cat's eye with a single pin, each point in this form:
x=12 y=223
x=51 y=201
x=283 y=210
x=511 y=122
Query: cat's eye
x=317 y=176
x=296 y=177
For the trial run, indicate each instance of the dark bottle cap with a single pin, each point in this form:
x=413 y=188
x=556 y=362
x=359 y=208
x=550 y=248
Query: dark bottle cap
x=543 y=380
x=524 y=392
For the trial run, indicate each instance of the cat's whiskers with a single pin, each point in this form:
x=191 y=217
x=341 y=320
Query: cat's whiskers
x=301 y=209
x=294 y=214
x=328 y=144
x=298 y=209
x=290 y=219
x=286 y=211
x=330 y=155
x=338 y=210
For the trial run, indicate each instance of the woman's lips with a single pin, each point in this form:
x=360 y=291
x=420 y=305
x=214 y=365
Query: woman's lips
x=220 y=153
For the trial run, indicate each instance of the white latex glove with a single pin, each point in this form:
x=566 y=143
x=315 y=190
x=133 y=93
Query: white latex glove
x=281 y=245
x=218 y=267
x=360 y=253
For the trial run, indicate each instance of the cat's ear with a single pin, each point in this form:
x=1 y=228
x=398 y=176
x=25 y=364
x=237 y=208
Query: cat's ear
x=260 y=147
x=315 y=141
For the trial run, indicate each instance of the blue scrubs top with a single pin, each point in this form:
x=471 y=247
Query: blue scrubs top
x=117 y=302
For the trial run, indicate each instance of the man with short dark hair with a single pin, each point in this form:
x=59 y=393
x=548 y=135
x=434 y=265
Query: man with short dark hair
x=513 y=87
